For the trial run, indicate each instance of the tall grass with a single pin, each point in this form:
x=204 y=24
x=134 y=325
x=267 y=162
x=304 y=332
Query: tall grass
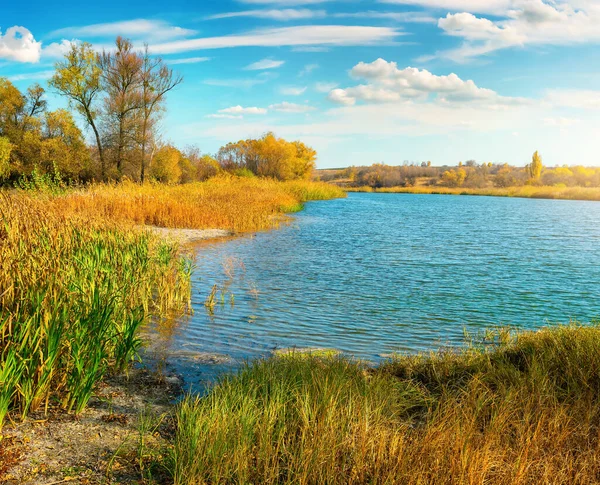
x=523 y=411
x=238 y=204
x=73 y=292
x=526 y=191
x=77 y=280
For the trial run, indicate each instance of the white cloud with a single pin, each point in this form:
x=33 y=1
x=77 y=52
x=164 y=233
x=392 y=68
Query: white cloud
x=310 y=49
x=308 y=69
x=323 y=87
x=32 y=76
x=524 y=22
x=286 y=107
x=273 y=14
x=478 y=6
x=236 y=83
x=574 y=98
x=18 y=44
x=561 y=122
x=225 y=116
x=188 y=60
x=403 y=17
x=293 y=91
x=138 y=28
x=385 y=83
x=240 y=110
x=264 y=64
x=57 y=49
x=307 y=35
x=284 y=3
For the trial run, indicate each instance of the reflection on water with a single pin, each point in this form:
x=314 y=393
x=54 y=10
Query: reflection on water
x=380 y=273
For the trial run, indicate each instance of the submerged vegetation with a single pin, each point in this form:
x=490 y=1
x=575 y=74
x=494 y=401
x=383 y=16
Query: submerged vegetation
x=523 y=409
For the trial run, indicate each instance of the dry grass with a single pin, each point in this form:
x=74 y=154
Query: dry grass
x=77 y=280
x=237 y=204
x=527 y=191
x=520 y=412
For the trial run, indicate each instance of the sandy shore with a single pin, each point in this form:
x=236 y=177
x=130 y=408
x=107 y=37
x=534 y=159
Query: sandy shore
x=186 y=236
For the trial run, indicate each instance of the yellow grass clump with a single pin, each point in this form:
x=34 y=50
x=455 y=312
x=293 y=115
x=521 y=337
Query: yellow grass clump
x=225 y=202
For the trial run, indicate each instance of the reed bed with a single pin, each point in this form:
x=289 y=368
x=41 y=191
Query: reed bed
x=526 y=191
x=74 y=290
x=225 y=202
x=525 y=409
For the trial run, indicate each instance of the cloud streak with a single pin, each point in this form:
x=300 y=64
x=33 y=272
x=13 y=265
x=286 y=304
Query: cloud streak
x=309 y=35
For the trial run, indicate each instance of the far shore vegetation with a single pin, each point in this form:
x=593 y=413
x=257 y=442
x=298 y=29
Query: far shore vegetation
x=81 y=274
x=533 y=180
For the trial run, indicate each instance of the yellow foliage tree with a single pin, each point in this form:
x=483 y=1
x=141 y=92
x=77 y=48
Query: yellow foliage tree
x=5 y=150
x=166 y=165
x=535 y=167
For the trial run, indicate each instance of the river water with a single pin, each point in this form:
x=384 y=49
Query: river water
x=375 y=274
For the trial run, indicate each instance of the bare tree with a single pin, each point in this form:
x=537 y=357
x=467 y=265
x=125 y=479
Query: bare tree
x=122 y=81
x=157 y=81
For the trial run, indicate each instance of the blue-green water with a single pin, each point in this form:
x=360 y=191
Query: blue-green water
x=380 y=273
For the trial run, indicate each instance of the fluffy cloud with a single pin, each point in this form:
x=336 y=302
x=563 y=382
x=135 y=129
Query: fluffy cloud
x=524 y=22
x=478 y=6
x=18 y=44
x=240 y=110
x=57 y=49
x=264 y=64
x=286 y=107
x=273 y=14
x=385 y=83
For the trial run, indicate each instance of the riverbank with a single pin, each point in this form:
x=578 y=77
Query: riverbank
x=527 y=191
x=79 y=278
x=513 y=409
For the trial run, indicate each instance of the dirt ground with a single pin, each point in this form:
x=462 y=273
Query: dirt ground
x=121 y=437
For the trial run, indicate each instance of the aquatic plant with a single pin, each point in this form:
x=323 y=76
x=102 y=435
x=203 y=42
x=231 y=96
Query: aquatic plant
x=73 y=293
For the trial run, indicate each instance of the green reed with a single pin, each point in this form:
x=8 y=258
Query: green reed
x=73 y=294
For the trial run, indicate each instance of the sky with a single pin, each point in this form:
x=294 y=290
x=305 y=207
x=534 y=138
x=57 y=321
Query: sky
x=361 y=81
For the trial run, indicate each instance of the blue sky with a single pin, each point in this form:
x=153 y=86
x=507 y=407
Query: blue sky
x=361 y=81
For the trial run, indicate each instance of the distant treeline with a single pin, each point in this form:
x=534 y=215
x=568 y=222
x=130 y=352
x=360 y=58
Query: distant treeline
x=120 y=95
x=469 y=175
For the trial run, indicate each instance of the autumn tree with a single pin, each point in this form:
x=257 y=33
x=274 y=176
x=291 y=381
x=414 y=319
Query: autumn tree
x=269 y=156
x=535 y=167
x=121 y=79
x=78 y=78
x=63 y=147
x=167 y=165
x=156 y=81
x=5 y=150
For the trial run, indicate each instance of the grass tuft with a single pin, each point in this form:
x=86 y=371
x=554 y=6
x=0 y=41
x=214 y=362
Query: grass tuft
x=523 y=410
